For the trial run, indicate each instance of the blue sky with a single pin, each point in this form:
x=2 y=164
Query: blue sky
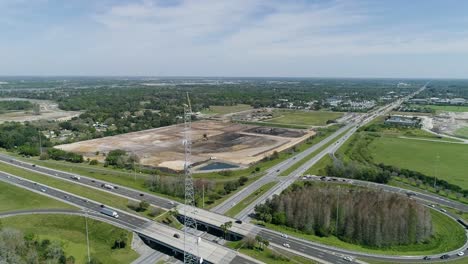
x=304 y=38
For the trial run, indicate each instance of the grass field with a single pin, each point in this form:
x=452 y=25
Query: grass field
x=446 y=108
x=249 y=199
x=14 y=198
x=70 y=230
x=222 y=110
x=448 y=235
x=422 y=156
x=303 y=118
x=462 y=132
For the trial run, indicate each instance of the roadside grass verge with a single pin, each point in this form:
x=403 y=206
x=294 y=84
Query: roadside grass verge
x=411 y=184
x=71 y=232
x=169 y=219
x=77 y=189
x=14 y=198
x=448 y=235
x=270 y=255
x=249 y=199
x=301 y=162
x=319 y=167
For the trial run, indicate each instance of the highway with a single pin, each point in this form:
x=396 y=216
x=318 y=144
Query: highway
x=284 y=182
x=272 y=174
x=125 y=220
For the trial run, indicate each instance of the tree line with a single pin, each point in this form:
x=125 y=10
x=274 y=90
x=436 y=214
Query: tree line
x=361 y=216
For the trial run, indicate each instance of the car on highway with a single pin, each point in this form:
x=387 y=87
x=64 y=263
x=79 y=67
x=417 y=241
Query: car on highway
x=238 y=221
x=43 y=190
x=284 y=235
x=176 y=235
x=443 y=210
x=461 y=253
x=427 y=258
x=286 y=245
x=348 y=258
x=444 y=256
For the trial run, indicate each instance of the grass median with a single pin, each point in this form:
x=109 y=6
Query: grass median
x=74 y=188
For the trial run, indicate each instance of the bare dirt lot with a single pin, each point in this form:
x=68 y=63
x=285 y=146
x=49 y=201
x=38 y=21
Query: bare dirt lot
x=225 y=141
x=48 y=111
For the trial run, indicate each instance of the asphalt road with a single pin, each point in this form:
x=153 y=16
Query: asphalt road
x=93 y=208
x=90 y=182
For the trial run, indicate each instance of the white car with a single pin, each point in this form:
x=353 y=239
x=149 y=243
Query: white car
x=286 y=245
x=461 y=253
x=43 y=190
x=348 y=258
x=284 y=235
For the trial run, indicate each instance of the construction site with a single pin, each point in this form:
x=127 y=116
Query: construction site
x=228 y=142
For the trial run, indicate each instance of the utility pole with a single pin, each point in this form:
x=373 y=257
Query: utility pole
x=87 y=235
x=190 y=224
x=203 y=196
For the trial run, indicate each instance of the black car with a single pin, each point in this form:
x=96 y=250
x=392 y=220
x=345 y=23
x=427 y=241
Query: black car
x=427 y=258
x=445 y=256
x=141 y=194
x=176 y=235
x=238 y=222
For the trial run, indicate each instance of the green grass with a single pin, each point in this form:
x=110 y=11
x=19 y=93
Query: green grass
x=447 y=108
x=267 y=255
x=249 y=199
x=411 y=184
x=448 y=235
x=14 y=198
x=222 y=110
x=70 y=230
x=422 y=156
x=462 y=132
x=296 y=165
x=168 y=219
x=319 y=167
x=92 y=194
x=303 y=118
x=449 y=261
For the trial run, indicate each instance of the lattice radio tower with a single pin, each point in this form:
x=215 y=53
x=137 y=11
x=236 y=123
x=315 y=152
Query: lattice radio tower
x=190 y=239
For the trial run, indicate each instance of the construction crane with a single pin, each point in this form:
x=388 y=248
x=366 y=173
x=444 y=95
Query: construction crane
x=190 y=225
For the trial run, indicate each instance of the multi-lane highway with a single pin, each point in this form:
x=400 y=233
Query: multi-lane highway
x=284 y=182
x=125 y=220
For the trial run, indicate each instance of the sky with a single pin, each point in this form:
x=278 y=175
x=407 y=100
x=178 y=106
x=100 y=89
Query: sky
x=263 y=38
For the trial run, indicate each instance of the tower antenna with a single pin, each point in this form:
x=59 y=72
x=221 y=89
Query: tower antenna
x=190 y=225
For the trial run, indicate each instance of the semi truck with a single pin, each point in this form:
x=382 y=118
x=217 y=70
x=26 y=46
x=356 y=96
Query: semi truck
x=109 y=212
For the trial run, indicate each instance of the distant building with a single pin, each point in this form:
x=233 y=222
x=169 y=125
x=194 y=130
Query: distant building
x=458 y=101
x=418 y=101
x=403 y=121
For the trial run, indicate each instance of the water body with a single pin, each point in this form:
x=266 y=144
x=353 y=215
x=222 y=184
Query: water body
x=218 y=166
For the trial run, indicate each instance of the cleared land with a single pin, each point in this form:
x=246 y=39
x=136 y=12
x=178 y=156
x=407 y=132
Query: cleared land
x=70 y=230
x=422 y=156
x=162 y=147
x=303 y=118
x=48 y=111
x=222 y=110
x=13 y=198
